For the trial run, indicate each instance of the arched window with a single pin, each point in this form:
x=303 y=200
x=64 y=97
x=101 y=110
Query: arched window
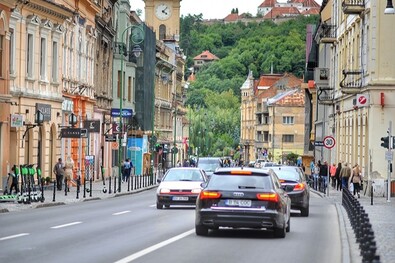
x=162 y=32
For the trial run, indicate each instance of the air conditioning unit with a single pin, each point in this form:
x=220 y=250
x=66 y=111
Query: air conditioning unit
x=321 y=76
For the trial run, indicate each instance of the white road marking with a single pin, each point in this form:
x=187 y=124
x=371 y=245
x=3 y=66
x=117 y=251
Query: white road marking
x=152 y=205
x=14 y=236
x=121 y=213
x=154 y=247
x=66 y=225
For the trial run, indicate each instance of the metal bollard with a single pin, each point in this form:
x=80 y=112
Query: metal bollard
x=42 y=191
x=371 y=193
x=115 y=184
x=128 y=180
x=78 y=187
x=65 y=186
x=109 y=185
x=90 y=186
x=54 y=190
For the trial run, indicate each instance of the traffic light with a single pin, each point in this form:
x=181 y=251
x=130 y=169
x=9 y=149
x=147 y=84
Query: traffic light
x=385 y=142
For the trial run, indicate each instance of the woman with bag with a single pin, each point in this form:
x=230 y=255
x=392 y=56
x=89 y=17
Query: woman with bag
x=356 y=179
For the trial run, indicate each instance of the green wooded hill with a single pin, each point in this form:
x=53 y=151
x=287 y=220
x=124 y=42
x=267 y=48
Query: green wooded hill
x=241 y=47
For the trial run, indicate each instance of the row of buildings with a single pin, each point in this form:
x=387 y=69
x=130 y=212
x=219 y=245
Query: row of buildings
x=89 y=80
x=348 y=91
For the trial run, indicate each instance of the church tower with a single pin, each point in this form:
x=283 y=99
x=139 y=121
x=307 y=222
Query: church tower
x=163 y=16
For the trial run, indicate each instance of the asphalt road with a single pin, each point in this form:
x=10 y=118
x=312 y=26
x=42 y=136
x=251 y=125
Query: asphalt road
x=131 y=229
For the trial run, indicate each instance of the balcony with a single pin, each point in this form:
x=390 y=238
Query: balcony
x=351 y=82
x=353 y=7
x=325 y=95
x=327 y=33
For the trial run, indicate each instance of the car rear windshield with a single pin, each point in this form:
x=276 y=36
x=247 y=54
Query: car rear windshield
x=209 y=165
x=235 y=182
x=288 y=175
x=183 y=175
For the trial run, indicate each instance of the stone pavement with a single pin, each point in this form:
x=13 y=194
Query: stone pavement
x=381 y=214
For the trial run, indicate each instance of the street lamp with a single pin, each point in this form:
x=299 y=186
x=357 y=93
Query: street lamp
x=136 y=38
x=72 y=119
x=389 y=9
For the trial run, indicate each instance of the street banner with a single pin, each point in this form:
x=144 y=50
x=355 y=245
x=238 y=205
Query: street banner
x=93 y=126
x=126 y=113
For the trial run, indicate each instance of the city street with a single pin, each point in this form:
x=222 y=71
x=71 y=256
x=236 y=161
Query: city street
x=130 y=229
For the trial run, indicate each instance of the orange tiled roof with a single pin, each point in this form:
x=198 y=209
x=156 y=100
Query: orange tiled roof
x=295 y=99
x=282 y=11
x=268 y=3
x=206 y=55
x=312 y=11
x=306 y=3
x=232 y=17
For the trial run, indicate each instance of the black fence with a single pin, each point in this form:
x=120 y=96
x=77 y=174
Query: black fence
x=362 y=228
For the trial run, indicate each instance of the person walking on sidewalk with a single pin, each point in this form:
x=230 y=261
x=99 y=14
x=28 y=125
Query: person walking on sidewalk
x=356 y=179
x=332 y=171
x=337 y=177
x=58 y=170
x=345 y=174
x=127 y=168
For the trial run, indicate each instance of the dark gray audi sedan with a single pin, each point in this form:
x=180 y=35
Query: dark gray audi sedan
x=241 y=197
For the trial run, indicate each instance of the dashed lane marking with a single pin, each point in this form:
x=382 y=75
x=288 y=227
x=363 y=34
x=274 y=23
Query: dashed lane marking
x=154 y=247
x=121 y=213
x=14 y=236
x=66 y=225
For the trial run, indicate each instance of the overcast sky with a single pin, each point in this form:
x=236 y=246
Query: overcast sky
x=212 y=8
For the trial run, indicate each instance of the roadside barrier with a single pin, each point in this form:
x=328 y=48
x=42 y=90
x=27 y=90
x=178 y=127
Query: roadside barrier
x=364 y=233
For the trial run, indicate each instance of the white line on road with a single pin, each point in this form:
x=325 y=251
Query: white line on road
x=14 y=236
x=152 y=205
x=121 y=213
x=154 y=247
x=66 y=225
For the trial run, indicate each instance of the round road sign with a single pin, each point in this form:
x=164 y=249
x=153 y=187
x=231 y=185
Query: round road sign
x=329 y=142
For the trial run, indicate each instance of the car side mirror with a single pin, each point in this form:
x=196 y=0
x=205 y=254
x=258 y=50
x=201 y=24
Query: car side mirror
x=158 y=181
x=203 y=185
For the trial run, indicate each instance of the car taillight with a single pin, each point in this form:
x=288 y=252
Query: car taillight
x=271 y=197
x=299 y=187
x=209 y=195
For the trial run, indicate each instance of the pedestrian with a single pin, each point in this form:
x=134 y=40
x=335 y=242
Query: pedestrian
x=324 y=175
x=337 y=177
x=312 y=165
x=58 y=170
x=345 y=174
x=178 y=163
x=356 y=179
x=316 y=173
x=126 y=169
x=332 y=172
x=13 y=177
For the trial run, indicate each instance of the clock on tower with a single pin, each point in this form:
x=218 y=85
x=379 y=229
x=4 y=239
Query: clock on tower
x=164 y=18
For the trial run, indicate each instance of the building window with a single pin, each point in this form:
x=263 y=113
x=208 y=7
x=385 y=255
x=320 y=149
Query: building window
x=265 y=136
x=12 y=52
x=1 y=55
x=162 y=32
x=288 y=120
x=54 y=61
x=43 y=58
x=288 y=138
x=29 y=56
x=119 y=84
x=130 y=89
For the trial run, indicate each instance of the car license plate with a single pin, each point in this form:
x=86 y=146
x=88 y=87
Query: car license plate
x=236 y=202
x=180 y=198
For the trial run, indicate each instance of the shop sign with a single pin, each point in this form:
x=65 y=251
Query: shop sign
x=45 y=110
x=16 y=120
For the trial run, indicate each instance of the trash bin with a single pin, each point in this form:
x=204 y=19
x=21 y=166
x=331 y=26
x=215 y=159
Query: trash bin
x=393 y=188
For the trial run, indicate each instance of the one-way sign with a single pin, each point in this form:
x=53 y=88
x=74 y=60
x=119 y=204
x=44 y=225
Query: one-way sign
x=318 y=143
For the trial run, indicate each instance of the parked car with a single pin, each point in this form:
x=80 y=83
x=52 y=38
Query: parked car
x=180 y=186
x=294 y=182
x=240 y=197
x=209 y=164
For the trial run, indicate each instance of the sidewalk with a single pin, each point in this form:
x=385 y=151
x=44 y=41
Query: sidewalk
x=71 y=197
x=381 y=216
